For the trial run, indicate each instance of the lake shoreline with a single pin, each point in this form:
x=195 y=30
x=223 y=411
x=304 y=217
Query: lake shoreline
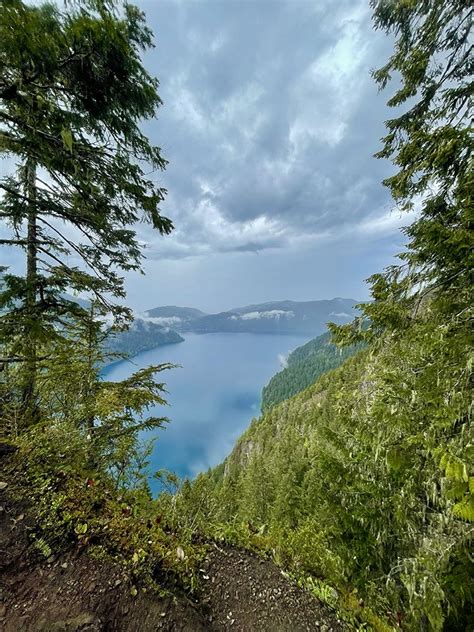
x=212 y=397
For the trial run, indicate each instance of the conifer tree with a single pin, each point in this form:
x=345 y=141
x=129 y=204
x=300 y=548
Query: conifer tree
x=110 y=415
x=430 y=144
x=73 y=92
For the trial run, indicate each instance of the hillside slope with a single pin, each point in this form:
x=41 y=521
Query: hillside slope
x=304 y=365
x=173 y=316
x=141 y=336
x=72 y=591
x=365 y=478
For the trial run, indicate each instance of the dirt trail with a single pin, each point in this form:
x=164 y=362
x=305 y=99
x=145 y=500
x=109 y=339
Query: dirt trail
x=240 y=592
x=245 y=593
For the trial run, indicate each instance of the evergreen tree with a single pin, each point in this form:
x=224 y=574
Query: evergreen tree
x=431 y=145
x=73 y=91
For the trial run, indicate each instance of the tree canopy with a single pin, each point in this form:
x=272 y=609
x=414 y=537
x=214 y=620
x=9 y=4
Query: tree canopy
x=430 y=143
x=73 y=94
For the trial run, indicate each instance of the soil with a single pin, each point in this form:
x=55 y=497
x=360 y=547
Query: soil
x=245 y=592
x=240 y=592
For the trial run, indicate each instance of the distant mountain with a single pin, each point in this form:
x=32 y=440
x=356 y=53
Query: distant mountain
x=298 y=306
x=173 y=316
x=279 y=317
x=303 y=367
x=142 y=335
x=161 y=325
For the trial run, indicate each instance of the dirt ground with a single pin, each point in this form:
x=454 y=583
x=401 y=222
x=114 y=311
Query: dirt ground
x=245 y=592
x=240 y=592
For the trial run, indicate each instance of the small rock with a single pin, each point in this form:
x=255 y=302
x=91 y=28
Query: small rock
x=3 y=485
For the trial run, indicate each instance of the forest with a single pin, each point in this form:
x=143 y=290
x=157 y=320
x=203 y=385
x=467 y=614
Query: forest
x=303 y=367
x=356 y=481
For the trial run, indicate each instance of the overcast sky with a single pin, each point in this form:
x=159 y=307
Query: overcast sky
x=270 y=121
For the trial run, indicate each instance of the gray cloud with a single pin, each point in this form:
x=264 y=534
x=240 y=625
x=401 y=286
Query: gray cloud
x=270 y=122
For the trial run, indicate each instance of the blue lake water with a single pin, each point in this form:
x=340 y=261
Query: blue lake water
x=212 y=397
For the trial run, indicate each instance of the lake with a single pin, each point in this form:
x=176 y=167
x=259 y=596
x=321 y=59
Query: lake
x=212 y=397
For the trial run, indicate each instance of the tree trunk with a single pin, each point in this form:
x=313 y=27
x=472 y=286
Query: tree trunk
x=30 y=408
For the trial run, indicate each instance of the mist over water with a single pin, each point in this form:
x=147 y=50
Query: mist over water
x=213 y=396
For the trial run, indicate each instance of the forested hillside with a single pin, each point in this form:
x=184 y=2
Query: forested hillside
x=303 y=366
x=364 y=478
x=141 y=336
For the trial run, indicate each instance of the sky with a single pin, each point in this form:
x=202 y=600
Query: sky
x=270 y=122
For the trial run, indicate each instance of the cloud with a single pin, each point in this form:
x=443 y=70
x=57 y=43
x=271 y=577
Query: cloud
x=205 y=230
x=270 y=122
x=273 y=314
x=283 y=360
x=164 y=321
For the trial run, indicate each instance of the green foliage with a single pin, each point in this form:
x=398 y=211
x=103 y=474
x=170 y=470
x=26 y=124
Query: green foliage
x=304 y=365
x=76 y=505
x=350 y=608
x=363 y=478
x=71 y=391
x=431 y=146
x=414 y=438
x=73 y=93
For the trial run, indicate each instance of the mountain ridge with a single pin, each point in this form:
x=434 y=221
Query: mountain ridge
x=279 y=317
